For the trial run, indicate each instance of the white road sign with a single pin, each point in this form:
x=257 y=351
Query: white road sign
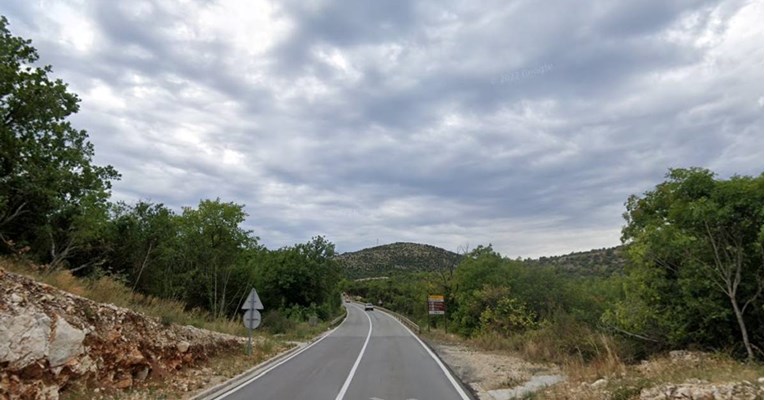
x=253 y=301
x=251 y=319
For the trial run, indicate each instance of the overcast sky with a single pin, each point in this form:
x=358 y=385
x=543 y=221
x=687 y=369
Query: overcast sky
x=454 y=123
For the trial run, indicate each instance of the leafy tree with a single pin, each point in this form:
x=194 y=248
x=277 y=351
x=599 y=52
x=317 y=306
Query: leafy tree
x=696 y=245
x=142 y=240
x=52 y=197
x=479 y=268
x=301 y=277
x=507 y=315
x=212 y=244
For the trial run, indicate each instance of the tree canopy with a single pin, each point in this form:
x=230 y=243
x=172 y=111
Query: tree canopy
x=697 y=276
x=52 y=195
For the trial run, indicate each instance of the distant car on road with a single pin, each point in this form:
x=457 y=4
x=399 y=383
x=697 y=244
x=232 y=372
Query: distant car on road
x=369 y=307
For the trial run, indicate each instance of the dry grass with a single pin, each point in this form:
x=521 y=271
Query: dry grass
x=622 y=382
x=586 y=356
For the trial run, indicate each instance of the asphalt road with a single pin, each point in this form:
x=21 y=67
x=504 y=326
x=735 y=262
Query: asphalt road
x=370 y=356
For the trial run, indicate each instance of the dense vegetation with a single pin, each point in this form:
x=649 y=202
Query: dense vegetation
x=696 y=276
x=692 y=278
x=55 y=210
x=392 y=258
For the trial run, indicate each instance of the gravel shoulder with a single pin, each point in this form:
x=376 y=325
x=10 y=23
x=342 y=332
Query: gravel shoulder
x=494 y=375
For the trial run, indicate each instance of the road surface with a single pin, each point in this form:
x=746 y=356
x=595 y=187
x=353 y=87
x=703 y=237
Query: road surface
x=370 y=356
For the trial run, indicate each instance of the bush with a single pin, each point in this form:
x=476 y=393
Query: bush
x=275 y=322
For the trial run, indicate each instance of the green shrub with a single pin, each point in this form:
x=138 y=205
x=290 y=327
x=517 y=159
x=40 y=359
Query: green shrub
x=275 y=322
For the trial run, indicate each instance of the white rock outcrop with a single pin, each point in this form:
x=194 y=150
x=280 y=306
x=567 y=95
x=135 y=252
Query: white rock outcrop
x=66 y=343
x=24 y=338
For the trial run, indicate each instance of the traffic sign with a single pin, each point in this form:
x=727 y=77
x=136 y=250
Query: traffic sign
x=253 y=301
x=436 y=305
x=251 y=319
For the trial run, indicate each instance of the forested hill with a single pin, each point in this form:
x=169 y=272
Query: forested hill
x=593 y=262
x=386 y=259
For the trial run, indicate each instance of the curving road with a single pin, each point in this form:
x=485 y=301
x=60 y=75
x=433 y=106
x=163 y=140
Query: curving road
x=370 y=356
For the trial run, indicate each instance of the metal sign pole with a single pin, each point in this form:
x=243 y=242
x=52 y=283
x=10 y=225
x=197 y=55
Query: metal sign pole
x=445 y=322
x=249 y=341
x=427 y=302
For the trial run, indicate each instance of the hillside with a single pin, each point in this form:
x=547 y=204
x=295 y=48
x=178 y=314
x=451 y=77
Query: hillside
x=51 y=341
x=605 y=261
x=396 y=257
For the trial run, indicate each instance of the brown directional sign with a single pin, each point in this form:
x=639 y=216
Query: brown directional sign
x=436 y=304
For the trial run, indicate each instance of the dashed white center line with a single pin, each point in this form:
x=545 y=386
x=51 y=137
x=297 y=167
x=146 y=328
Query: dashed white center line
x=356 y=364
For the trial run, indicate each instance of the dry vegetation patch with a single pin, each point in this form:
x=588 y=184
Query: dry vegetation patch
x=677 y=375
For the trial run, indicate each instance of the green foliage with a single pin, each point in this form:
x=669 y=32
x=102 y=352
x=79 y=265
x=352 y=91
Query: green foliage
x=212 y=243
x=507 y=316
x=405 y=293
x=302 y=279
x=143 y=237
x=696 y=247
x=52 y=197
x=275 y=322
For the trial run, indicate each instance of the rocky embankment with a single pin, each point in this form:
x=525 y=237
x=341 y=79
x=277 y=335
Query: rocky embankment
x=51 y=340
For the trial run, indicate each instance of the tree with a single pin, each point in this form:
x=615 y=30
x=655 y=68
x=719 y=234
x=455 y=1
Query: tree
x=696 y=246
x=142 y=239
x=213 y=244
x=300 y=277
x=479 y=268
x=51 y=194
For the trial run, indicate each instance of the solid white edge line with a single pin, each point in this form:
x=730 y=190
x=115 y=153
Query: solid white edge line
x=449 y=376
x=247 y=382
x=358 y=360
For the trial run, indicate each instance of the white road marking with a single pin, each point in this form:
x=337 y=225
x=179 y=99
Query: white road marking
x=456 y=385
x=281 y=362
x=358 y=360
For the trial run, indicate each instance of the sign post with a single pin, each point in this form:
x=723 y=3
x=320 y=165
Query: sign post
x=436 y=306
x=252 y=315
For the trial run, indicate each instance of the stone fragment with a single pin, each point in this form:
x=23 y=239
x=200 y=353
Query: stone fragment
x=66 y=343
x=24 y=338
x=183 y=346
x=599 y=383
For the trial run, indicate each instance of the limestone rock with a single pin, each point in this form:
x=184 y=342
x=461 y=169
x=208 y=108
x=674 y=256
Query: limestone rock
x=183 y=346
x=66 y=344
x=24 y=338
x=703 y=391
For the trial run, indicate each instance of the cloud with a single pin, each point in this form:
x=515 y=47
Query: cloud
x=447 y=123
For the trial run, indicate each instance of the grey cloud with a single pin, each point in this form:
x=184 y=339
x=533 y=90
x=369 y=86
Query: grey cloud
x=448 y=123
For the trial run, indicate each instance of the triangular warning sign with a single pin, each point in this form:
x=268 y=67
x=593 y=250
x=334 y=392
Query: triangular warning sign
x=252 y=302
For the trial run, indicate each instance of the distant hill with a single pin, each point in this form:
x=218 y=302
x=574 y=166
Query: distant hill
x=396 y=257
x=413 y=257
x=605 y=261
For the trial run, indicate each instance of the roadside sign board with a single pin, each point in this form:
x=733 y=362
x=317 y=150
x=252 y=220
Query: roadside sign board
x=251 y=319
x=436 y=305
x=253 y=301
